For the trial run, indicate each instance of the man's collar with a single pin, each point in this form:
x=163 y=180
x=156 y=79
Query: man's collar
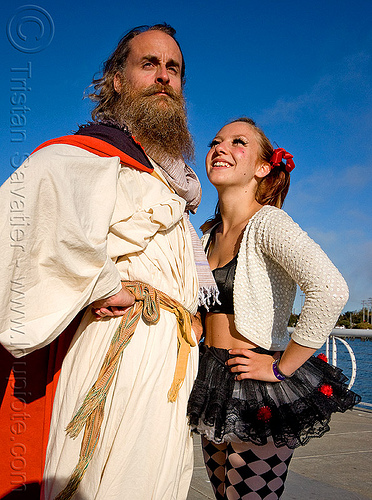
x=106 y=141
x=117 y=137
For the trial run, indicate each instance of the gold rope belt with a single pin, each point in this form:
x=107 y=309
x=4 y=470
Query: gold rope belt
x=90 y=414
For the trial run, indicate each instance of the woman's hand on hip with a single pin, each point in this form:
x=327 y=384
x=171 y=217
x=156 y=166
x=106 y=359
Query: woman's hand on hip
x=247 y=364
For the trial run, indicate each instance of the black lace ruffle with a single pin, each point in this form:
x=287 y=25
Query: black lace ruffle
x=290 y=412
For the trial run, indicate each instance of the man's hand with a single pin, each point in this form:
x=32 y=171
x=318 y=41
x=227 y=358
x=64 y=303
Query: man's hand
x=197 y=326
x=116 y=305
x=250 y=364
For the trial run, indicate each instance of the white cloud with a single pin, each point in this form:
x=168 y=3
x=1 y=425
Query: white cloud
x=351 y=77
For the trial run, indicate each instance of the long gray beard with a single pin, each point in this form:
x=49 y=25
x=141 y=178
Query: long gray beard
x=159 y=123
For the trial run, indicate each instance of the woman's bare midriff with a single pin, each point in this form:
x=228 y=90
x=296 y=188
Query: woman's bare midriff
x=220 y=332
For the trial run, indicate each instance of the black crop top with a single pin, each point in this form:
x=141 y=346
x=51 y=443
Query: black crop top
x=224 y=277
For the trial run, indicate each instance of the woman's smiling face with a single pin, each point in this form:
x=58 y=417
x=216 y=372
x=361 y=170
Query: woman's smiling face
x=234 y=155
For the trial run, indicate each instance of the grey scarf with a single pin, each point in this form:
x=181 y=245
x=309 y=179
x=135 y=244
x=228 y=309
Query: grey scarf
x=186 y=184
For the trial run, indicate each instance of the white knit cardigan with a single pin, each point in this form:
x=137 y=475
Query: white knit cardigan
x=274 y=255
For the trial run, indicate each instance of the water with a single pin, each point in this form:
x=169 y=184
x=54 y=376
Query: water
x=363 y=354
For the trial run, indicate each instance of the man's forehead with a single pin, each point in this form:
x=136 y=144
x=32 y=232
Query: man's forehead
x=155 y=43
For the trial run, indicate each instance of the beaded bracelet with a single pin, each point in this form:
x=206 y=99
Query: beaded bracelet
x=278 y=374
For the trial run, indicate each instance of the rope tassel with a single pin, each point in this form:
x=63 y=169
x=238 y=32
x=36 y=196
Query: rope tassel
x=91 y=412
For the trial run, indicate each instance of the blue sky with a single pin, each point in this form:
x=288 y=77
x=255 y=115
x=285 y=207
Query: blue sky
x=302 y=70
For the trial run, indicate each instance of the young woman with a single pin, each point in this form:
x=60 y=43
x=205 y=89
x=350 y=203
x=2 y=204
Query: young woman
x=259 y=393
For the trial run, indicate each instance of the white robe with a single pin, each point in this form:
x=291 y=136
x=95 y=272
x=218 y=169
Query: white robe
x=87 y=223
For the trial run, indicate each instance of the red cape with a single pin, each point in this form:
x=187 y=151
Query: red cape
x=28 y=384
x=98 y=147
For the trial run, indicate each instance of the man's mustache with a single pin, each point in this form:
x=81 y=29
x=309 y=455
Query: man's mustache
x=158 y=88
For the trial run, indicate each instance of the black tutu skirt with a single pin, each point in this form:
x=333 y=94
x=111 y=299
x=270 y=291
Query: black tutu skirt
x=290 y=412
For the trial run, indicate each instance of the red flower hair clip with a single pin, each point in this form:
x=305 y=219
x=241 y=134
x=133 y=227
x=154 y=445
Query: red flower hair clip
x=279 y=155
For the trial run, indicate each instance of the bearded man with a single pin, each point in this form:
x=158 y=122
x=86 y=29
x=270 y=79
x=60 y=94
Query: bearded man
x=108 y=228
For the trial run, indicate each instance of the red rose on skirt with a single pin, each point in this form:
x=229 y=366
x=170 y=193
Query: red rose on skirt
x=326 y=390
x=323 y=357
x=264 y=413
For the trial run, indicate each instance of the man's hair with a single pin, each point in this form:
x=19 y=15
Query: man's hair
x=104 y=93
